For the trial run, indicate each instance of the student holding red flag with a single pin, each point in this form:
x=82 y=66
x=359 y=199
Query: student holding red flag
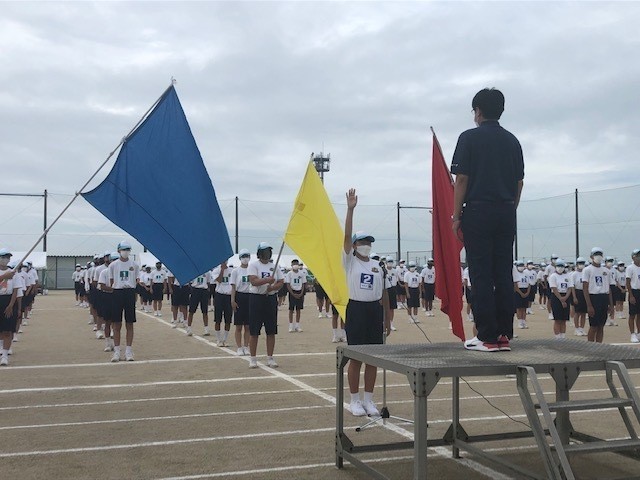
x=489 y=170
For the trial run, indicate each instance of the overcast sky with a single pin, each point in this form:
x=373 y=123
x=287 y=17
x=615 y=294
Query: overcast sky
x=265 y=84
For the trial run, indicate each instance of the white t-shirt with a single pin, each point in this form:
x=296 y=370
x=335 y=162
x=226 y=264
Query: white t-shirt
x=33 y=274
x=123 y=273
x=633 y=273
x=549 y=269
x=599 y=278
x=7 y=285
x=77 y=276
x=104 y=279
x=621 y=278
x=576 y=278
x=96 y=272
x=224 y=285
x=521 y=278
x=428 y=275
x=412 y=279
x=392 y=277
x=561 y=281
x=400 y=271
x=158 y=276
x=465 y=276
x=540 y=276
x=263 y=270
x=240 y=278
x=88 y=275
x=364 y=278
x=532 y=275
x=296 y=280
x=201 y=281
x=18 y=282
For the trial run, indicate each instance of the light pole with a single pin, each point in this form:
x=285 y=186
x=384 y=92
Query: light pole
x=322 y=163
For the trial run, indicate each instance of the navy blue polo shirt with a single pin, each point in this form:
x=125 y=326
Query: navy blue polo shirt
x=492 y=159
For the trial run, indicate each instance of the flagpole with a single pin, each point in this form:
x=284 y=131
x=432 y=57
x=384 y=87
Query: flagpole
x=278 y=259
x=79 y=192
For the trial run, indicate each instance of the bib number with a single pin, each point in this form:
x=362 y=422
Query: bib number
x=366 y=281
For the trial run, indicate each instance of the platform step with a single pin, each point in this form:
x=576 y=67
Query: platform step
x=604 y=446
x=588 y=404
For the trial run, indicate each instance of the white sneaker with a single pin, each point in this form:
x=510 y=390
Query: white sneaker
x=393 y=328
x=16 y=339
x=240 y=352
x=4 y=361
x=189 y=332
x=480 y=346
x=25 y=322
x=174 y=325
x=253 y=363
x=611 y=323
x=207 y=332
x=108 y=348
x=222 y=343
x=335 y=339
x=246 y=350
x=370 y=408
x=299 y=329
x=357 y=410
x=328 y=315
x=529 y=311
x=272 y=363
x=20 y=330
x=99 y=334
x=291 y=329
x=95 y=327
x=115 y=357
x=320 y=315
x=344 y=338
x=10 y=351
x=128 y=356
x=159 y=313
x=550 y=316
x=576 y=332
x=634 y=338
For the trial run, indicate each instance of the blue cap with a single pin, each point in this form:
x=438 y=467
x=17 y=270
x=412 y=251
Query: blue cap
x=264 y=246
x=124 y=245
x=362 y=235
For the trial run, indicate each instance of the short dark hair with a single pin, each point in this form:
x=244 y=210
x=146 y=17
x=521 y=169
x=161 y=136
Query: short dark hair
x=490 y=101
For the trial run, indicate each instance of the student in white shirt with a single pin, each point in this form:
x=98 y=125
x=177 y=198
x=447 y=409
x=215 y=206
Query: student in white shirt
x=158 y=288
x=179 y=300
x=561 y=284
x=620 y=290
x=542 y=287
x=579 y=303
x=392 y=292
x=200 y=298
x=401 y=292
x=266 y=279
x=367 y=311
x=428 y=286
x=146 y=293
x=532 y=275
x=222 y=302
x=521 y=290
x=105 y=260
x=632 y=275
x=295 y=282
x=612 y=272
x=76 y=277
x=107 y=305
x=596 y=283
x=123 y=273
x=8 y=295
x=412 y=287
x=240 y=287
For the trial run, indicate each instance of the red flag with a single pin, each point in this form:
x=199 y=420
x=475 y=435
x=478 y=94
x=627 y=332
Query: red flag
x=446 y=245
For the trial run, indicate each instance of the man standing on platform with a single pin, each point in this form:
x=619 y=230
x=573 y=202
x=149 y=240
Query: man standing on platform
x=489 y=169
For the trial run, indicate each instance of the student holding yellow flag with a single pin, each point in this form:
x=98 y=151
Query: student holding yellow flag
x=367 y=319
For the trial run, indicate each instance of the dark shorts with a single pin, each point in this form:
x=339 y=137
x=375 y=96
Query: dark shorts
x=334 y=310
x=283 y=291
x=222 y=308
x=157 y=291
x=634 y=309
x=241 y=315
x=320 y=293
x=146 y=295
x=7 y=324
x=180 y=296
x=263 y=311
x=393 y=298
x=559 y=312
x=532 y=293
x=413 y=300
x=92 y=296
x=199 y=297
x=364 y=324
x=124 y=302
x=296 y=303
x=581 y=305
x=400 y=290
x=542 y=290
x=600 y=304
x=468 y=295
x=618 y=295
x=106 y=307
x=77 y=288
x=519 y=301
x=27 y=301
x=429 y=291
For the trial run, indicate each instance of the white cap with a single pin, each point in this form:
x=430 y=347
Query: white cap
x=412 y=263
x=581 y=260
x=114 y=255
x=264 y=246
x=554 y=255
x=5 y=252
x=362 y=235
x=595 y=250
x=429 y=259
x=244 y=253
x=124 y=245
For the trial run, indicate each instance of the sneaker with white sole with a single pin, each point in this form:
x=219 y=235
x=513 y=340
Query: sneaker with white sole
x=25 y=322
x=189 y=332
x=115 y=357
x=393 y=328
x=291 y=328
x=272 y=363
x=370 y=408
x=95 y=327
x=108 y=348
x=357 y=410
x=246 y=350
x=550 y=317
x=4 y=361
x=10 y=351
x=253 y=363
x=634 y=338
x=174 y=325
x=128 y=356
x=207 y=332
x=480 y=346
x=299 y=329
x=240 y=352
x=503 y=343
x=335 y=339
x=611 y=323
x=320 y=315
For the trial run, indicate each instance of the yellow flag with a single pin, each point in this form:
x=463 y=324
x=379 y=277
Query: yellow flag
x=315 y=235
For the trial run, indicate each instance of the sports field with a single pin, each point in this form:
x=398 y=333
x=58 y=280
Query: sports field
x=187 y=409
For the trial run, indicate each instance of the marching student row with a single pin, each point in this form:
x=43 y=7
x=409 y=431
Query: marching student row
x=17 y=293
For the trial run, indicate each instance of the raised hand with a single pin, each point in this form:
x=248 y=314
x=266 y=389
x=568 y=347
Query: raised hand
x=352 y=198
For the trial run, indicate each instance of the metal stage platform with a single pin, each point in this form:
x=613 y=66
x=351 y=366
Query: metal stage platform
x=425 y=364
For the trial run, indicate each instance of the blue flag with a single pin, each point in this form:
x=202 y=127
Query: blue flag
x=159 y=192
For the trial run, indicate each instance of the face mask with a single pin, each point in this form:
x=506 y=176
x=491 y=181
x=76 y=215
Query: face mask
x=244 y=261
x=530 y=266
x=621 y=269
x=78 y=269
x=125 y=254
x=412 y=269
x=559 y=269
x=389 y=264
x=609 y=264
x=4 y=261
x=295 y=268
x=580 y=267
x=521 y=269
x=24 y=269
x=363 y=250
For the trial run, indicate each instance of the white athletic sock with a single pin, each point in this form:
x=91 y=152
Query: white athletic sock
x=225 y=335
x=254 y=359
x=368 y=397
x=269 y=357
x=116 y=349
x=355 y=397
x=127 y=350
x=5 y=352
x=335 y=332
x=296 y=325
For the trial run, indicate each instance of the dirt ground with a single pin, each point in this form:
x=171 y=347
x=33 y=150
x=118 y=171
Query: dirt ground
x=187 y=409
